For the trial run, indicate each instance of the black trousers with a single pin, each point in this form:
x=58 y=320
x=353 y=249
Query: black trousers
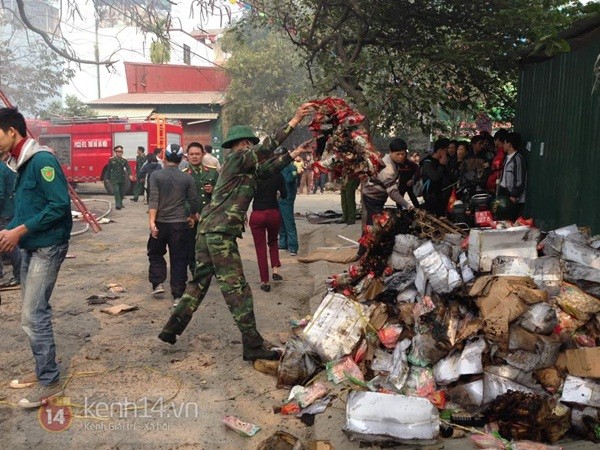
x=413 y=198
x=176 y=238
x=372 y=208
x=435 y=203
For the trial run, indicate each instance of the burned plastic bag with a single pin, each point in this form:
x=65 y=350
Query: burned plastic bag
x=298 y=363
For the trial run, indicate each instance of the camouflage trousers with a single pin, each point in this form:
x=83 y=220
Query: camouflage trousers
x=217 y=254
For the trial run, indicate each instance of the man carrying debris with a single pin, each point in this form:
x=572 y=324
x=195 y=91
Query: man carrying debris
x=375 y=191
x=41 y=227
x=221 y=223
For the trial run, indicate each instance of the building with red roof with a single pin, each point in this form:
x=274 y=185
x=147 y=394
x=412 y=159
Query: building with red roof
x=188 y=94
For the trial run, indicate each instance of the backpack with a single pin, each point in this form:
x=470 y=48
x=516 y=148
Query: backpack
x=420 y=187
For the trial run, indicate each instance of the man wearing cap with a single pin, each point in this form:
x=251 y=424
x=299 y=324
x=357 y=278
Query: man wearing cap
x=169 y=223
x=376 y=190
x=118 y=172
x=222 y=222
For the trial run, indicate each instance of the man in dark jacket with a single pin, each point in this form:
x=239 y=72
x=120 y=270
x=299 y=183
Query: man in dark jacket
x=170 y=223
x=434 y=174
x=41 y=227
x=408 y=172
x=140 y=160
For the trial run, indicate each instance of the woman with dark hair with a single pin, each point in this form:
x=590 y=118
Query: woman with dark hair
x=415 y=157
x=462 y=151
x=265 y=222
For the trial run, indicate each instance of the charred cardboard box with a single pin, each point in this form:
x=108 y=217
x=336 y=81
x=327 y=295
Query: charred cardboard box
x=584 y=362
x=501 y=300
x=485 y=245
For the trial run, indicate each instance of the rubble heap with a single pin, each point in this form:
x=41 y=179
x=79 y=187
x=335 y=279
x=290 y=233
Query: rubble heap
x=501 y=329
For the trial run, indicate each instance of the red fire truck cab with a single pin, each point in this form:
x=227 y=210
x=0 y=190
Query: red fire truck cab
x=84 y=146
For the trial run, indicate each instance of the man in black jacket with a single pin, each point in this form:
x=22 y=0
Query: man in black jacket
x=408 y=172
x=434 y=174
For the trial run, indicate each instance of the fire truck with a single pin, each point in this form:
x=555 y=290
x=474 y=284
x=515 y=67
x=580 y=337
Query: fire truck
x=84 y=146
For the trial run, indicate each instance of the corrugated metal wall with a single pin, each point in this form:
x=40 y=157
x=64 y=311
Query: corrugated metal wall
x=559 y=119
x=144 y=77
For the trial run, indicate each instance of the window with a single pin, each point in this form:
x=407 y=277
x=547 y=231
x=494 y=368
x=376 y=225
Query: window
x=187 y=54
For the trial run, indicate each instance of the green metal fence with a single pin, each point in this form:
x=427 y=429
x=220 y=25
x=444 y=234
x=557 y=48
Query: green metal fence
x=559 y=119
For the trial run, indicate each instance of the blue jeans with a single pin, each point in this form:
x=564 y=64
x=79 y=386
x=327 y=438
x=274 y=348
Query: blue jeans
x=288 y=235
x=14 y=255
x=39 y=270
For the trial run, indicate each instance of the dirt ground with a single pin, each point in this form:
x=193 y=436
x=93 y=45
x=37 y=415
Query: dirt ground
x=181 y=392
x=109 y=363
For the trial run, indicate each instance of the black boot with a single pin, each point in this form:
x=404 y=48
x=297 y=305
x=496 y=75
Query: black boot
x=255 y=348
x=169 y=338
x=177 y=323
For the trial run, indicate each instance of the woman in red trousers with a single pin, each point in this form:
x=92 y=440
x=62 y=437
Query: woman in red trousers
x=265 y=221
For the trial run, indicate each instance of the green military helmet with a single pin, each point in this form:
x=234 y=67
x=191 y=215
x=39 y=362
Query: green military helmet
x=503 y=208
x=238 y=132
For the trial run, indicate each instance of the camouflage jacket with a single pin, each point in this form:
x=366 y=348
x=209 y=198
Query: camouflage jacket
x=237 y=183
x=203 y=175
x=118 y=169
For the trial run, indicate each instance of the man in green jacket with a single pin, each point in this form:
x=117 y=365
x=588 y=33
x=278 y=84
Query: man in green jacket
x=221 y=223
x=140 y=160
x=118 y=173
x=41 y=227
x=205 y=178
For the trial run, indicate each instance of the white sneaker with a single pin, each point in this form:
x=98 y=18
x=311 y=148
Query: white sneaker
x=41 y=395
x=176 y=302
x=158 y=290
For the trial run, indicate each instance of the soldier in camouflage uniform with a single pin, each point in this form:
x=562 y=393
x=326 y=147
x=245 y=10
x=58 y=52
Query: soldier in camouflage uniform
x=221 y=223
x=140 y=160
x=118 y=172
x=205 y=177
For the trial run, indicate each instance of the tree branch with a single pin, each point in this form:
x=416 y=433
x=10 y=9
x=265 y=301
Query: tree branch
x=48 y=41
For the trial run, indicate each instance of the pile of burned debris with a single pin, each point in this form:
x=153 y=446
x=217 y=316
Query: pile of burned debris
x=431 y=332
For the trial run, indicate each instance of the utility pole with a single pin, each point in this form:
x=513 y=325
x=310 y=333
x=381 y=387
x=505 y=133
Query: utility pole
x=97 y=53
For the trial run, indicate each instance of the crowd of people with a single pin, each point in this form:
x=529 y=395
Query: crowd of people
x=484 y=165
x=197 y=210
x=453 y=169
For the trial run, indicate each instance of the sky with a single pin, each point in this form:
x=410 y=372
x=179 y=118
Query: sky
x=134 y=47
